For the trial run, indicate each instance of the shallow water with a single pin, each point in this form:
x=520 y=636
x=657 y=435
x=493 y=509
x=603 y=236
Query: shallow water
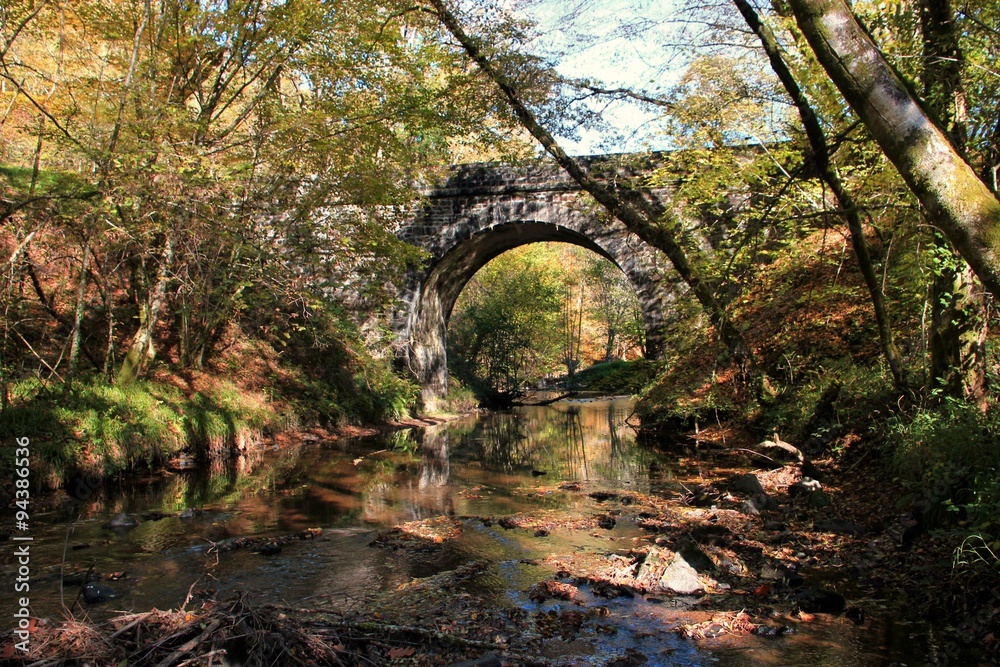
x=352 y=490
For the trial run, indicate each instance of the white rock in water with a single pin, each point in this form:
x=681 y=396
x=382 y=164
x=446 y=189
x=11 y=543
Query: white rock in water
x=680 y=577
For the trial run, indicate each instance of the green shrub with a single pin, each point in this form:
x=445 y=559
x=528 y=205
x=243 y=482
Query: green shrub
x=617 y=377
x=947 y=457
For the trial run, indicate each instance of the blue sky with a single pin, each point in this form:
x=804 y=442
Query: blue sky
x=619 y=42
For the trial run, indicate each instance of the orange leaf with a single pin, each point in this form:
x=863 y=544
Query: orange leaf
x=401 y=652
x=762 y=590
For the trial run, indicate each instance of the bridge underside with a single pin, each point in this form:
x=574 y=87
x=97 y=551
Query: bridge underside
x=435 y=296
x=485 y=210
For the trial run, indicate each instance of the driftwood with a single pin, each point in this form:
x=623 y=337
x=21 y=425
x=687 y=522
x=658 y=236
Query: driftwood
x=548 y=401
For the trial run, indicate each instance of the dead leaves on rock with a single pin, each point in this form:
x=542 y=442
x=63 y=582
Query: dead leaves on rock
x=727 y=623
x=548 y=589
x=426 y=534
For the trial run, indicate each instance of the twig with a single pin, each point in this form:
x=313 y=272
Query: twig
x=209 y=655
x=750 y=451
x=62 y=569
x=139 y=618
x=186 y=648
x=86 y=578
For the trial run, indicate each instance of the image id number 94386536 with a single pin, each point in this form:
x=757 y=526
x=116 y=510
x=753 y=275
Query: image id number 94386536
x=21 y=539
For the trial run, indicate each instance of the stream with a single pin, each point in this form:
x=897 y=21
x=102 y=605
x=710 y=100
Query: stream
x=353 y=490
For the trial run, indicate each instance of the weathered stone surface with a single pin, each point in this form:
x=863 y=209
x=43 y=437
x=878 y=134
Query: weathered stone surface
x=483 y=210
x=121 y=521
x=697 y=558
x=804 y=487
x=667 y=571
x=680 y=577
x=756 y=504
x=95 y=593
x=652 y=566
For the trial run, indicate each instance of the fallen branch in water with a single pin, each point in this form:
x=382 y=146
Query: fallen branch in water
x=548 y=401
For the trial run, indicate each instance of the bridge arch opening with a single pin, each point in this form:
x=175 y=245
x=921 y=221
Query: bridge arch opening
x=435 y=294
x=538 y=313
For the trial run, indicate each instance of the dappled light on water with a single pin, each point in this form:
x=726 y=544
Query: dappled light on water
x=537 y=514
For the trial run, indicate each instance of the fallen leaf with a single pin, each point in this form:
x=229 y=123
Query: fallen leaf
x=397 y=652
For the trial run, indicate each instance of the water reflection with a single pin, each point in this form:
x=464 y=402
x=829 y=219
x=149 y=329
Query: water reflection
x=584 y=441
x=499 y=463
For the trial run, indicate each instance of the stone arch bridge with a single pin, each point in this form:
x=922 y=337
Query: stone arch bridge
x=483 y=210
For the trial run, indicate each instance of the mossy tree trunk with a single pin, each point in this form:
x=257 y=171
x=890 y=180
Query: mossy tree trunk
x=958 y=202
x=81 y=295
x=142 y=349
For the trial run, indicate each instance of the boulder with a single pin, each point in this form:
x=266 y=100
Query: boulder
x=748 y=484
x=820 y=601
x=697 y=558
x=804 y=487
x=95 y=593
x=811 y=490
x=680 y=577
x=655 y=560
x=757 y=503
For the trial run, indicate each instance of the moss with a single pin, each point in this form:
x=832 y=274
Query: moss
x=108 y=430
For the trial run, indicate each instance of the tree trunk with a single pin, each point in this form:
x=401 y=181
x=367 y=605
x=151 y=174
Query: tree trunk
x=639 y=215
x=959 y=203
x=81 y=294
x=831 y=176
x=958 y=329
x=142 y=349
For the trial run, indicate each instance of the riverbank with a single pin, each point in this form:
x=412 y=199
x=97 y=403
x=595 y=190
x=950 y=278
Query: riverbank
x=490 y=537
x=249 y=397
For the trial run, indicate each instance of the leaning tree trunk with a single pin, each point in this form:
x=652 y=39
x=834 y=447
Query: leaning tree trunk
x=639 y=215
x=959 y=203
x=831 y=176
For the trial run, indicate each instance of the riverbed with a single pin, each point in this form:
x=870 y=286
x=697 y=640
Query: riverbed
x=559 y=476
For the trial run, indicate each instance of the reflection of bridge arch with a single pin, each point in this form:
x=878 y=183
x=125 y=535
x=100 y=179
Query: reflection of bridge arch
x=485 y=210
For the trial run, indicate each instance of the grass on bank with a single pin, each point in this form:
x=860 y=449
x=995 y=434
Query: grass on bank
x=106 y=430
x=616 y=378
